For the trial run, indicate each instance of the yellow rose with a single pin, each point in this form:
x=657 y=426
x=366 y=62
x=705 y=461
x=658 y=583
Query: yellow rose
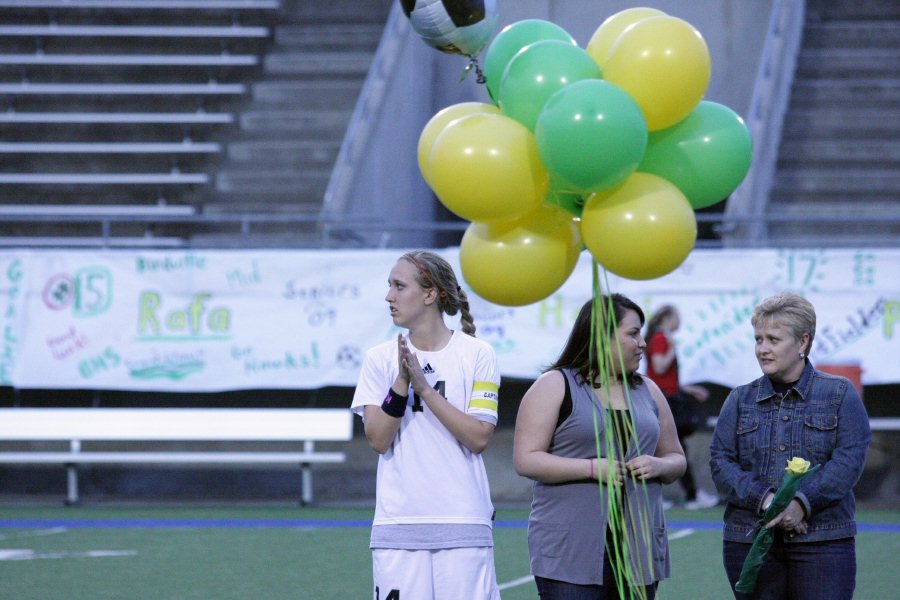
x=797 y=466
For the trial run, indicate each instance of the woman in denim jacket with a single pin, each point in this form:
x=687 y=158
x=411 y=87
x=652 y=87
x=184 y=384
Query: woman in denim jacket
x=792 y=410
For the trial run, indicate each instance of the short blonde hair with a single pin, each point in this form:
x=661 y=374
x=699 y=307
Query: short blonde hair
x=790 y=310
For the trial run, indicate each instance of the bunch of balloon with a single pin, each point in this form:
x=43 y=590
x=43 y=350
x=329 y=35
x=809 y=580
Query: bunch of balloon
x=610 y=147
x=484 y=167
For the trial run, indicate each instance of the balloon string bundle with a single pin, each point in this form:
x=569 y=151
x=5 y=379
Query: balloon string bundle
x=628 y=506
x=479 y=73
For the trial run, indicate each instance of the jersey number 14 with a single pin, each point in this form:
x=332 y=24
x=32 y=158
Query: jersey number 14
x=439 y=387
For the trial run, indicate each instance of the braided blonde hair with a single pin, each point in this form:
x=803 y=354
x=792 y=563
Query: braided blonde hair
x=432 y=271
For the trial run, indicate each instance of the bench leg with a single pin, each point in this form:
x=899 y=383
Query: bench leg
x=306 y=494
x=306 y=491
x=72 y=484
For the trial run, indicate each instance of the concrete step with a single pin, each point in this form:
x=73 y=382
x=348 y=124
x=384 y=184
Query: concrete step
x=798 y=236
x=126 y=103
x=335 y=11
x=294 y=153
x=872 y=183
x=866 y=205
x=314 y=64
x=820 y=218
x=855 y=34
x=273 y=181
x=329 y=36
x=870 y=92
x=112 y=45
x=318 y=124
x=811 y=225
x=63 y=194
x=278 y=202
x=841 y=63
x=830 y=122
x=857 y=9
x=95 y=163
x=842 y=153
x=307 y=94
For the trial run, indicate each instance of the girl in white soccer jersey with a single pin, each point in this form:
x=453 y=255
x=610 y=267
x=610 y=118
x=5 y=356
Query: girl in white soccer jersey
x=429 y=404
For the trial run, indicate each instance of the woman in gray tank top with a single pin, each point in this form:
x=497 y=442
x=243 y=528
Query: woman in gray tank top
x=578 y=550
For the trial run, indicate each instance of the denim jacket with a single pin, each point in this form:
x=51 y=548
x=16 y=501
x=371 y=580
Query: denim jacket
x=820 y=419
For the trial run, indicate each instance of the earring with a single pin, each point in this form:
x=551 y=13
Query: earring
x=802 y=356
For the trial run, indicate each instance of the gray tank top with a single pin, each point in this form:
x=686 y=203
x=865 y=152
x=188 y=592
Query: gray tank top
x=568 y=522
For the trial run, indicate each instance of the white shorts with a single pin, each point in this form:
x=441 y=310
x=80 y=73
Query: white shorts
x=449 y=574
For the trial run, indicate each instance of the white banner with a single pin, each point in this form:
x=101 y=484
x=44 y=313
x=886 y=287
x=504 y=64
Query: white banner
x=226 y=320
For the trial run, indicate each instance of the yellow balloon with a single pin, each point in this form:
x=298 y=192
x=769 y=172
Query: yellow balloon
x=520 y=262
x=642 y=229
x=605 y=35
x=486 y=167
x=440 y=120
x=663 y=62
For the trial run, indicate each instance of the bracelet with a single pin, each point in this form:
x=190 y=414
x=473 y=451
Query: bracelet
x=394 y=404
x=593 y=462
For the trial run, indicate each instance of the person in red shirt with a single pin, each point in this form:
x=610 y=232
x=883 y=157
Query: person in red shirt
x=662 y=368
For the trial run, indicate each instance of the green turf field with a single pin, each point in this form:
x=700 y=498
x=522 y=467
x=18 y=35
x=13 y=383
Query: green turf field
x=273 y=553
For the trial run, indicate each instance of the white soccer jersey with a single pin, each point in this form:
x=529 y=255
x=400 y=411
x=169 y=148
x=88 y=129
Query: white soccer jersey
x=427 y=476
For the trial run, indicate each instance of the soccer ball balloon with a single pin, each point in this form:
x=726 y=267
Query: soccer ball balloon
x=453 y=26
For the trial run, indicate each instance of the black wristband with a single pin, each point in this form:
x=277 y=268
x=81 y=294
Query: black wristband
x=394 y=404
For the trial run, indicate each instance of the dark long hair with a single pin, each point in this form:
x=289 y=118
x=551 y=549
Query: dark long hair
x=580 y=348
x=653 y=324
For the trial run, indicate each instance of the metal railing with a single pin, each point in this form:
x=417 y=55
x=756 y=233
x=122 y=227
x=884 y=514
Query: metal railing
x=332 y=232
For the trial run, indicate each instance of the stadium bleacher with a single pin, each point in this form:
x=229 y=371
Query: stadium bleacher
x=116 y=109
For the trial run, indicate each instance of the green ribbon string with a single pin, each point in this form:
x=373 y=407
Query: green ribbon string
x=629 y=521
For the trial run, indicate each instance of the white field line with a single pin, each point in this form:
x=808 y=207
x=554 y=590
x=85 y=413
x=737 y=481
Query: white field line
x=34 y=533
x=516 y=582
x=25 y=554
x=682 y=533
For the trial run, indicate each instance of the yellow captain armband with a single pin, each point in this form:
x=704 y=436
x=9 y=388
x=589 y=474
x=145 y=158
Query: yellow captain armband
x=485 y=395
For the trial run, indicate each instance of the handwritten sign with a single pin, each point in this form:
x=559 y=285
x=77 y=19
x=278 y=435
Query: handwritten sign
x=209 y=321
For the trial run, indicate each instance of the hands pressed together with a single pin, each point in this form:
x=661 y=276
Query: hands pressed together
x=410 y=369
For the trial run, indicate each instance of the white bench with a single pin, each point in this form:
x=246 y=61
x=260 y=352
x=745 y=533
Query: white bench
x=79 y=427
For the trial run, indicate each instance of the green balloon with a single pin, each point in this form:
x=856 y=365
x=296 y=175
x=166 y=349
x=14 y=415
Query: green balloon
x=510 y=40
x=538 y=71
x=568 y=200
x=591 y=135
x=706 y=155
